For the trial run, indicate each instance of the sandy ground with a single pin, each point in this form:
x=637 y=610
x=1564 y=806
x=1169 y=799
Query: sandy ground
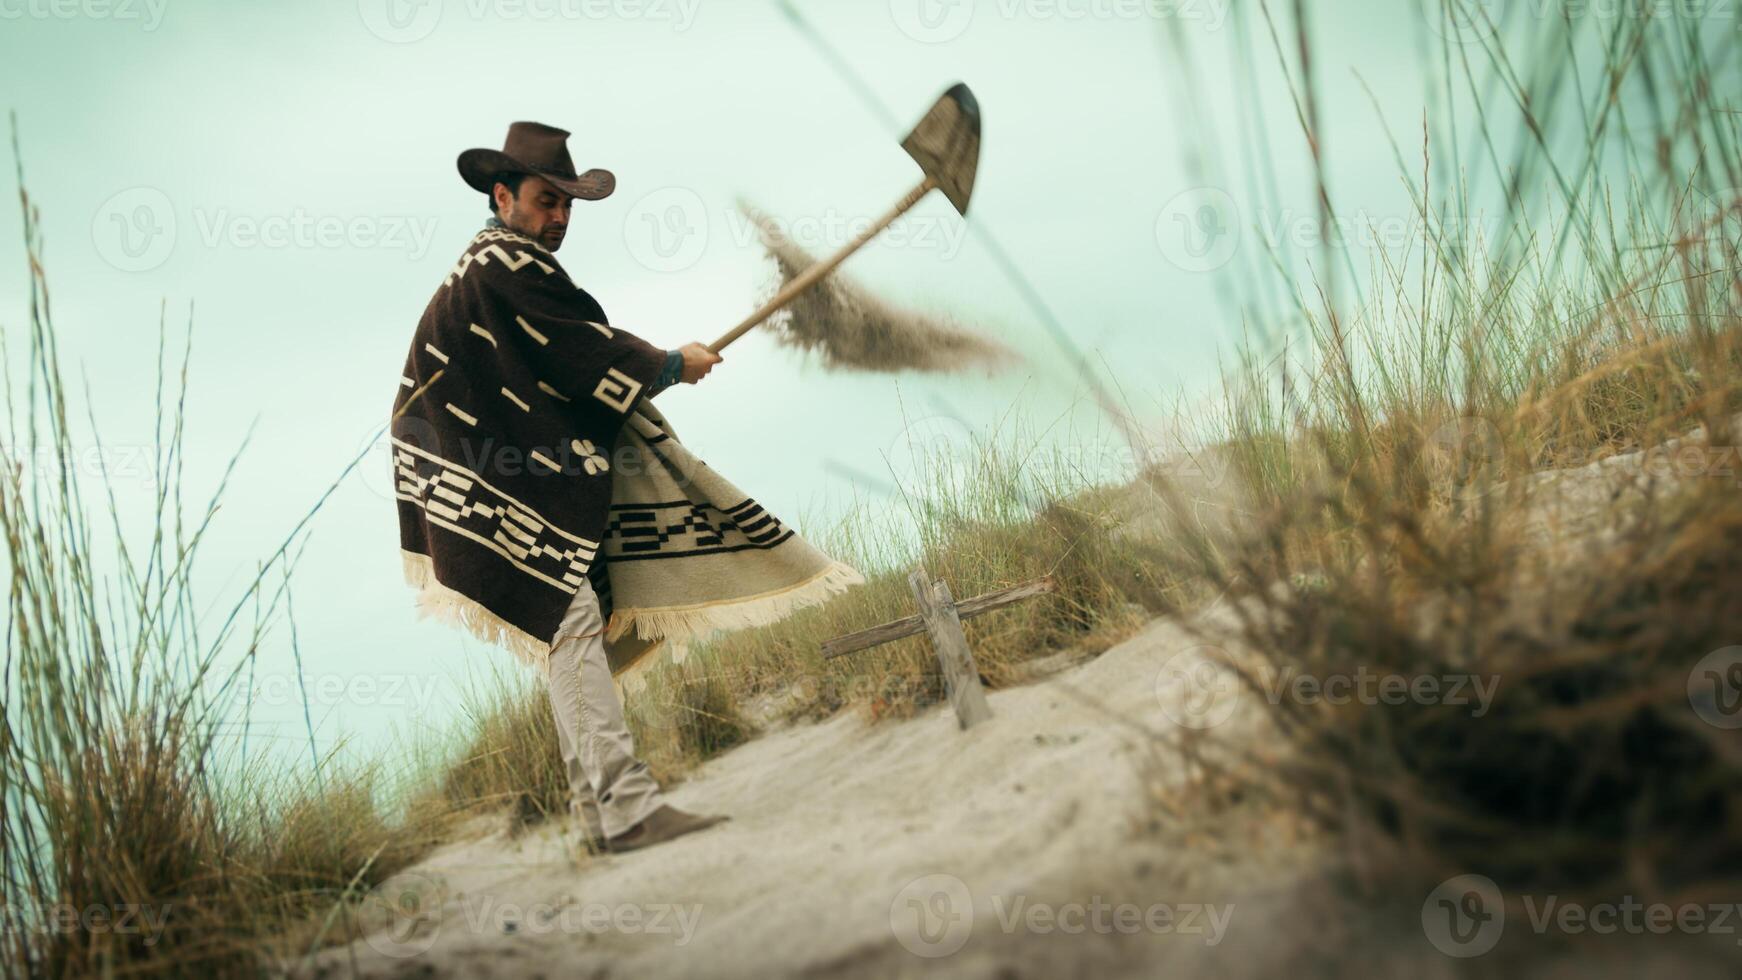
x=1024 y=847
x=835 y=828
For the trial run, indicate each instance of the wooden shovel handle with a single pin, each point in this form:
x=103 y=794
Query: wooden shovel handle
x=809 y=277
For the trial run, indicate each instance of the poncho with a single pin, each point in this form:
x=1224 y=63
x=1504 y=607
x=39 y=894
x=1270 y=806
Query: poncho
x=527 y=460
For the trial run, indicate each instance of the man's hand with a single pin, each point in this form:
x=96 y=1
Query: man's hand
x=697 y=362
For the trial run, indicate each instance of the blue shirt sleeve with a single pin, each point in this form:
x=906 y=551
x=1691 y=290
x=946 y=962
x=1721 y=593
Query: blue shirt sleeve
x=672 y=372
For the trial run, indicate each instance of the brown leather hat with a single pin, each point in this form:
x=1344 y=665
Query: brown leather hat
x=534 y=148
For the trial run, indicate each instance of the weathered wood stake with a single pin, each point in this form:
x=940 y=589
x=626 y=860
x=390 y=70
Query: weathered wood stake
x=941 y=617
x=907 y=626
x=961 y=677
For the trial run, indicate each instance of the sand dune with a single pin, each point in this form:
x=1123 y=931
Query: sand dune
x=1023 y=847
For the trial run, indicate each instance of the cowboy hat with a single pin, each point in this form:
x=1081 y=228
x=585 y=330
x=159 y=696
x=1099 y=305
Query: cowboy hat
x=534 y=148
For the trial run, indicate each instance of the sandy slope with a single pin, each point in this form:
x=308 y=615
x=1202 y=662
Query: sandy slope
x=830 y=823
x=848 y=837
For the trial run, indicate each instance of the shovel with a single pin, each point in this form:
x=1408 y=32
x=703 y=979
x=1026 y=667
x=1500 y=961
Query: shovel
x=946 y=145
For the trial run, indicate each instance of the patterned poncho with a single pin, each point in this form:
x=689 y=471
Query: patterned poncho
x=513 y=395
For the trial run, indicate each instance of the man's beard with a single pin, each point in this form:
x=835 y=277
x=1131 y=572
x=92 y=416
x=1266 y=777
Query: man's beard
x=551 y=240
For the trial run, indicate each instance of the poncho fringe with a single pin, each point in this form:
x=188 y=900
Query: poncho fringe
x=678 y=622
x=436 y=601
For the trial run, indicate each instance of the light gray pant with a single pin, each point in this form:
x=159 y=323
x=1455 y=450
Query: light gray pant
x=609 y=788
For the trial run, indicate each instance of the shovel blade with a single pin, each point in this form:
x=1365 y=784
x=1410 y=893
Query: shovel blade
x=946 y=144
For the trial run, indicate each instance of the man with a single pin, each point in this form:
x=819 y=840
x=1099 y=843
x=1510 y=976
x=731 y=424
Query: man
x=512 y=399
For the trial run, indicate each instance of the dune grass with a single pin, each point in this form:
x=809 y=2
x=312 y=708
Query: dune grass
x=1409 y=522
x=134 y=837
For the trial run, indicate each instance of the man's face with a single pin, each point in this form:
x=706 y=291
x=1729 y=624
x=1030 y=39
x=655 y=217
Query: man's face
x=539 y=211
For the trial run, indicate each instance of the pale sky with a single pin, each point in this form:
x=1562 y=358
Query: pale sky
x=287 y=172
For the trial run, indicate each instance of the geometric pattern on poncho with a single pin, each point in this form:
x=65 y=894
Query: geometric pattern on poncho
x=457 y=499
x=661 y=530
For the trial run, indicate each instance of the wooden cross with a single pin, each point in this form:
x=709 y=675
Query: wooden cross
x=942 y=616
